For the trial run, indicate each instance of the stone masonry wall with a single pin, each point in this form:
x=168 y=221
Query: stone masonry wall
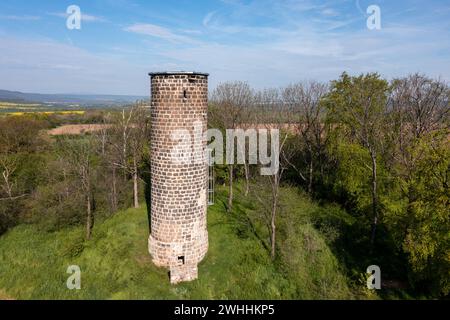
x=179 y=238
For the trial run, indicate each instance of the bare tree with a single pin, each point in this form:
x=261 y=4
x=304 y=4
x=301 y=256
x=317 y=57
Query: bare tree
x=305 y=102
x=8 y=165
x=121 y=130
x=420 y=110
x=108 y=154
x=138 y=140
x=421 y=103
x=420 y=106
x=129 y=136
x=232 y=102
x=18 y=138
x=78 y=153
x=273 y=116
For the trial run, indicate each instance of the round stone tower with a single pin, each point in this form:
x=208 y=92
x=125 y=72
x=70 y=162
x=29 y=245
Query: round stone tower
x=179 y=108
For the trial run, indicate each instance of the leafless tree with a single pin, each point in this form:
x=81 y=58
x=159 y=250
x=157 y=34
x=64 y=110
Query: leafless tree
x=8 y=165
x=304 y=101
x=129 y=137
x=248 y=121
x=273 y=116
x=109 y=156
x=420 y=110
x=138 y=140
x=78 y=153
x=421 y=103
x=233 y=102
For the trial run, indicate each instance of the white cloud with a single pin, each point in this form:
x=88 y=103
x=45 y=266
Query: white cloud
x=84 y=17
x=91 y=18
x=158 y=32
x=52 y=67
x=191 y=31
x=303 y=41
x=20 y=18
x=291 y=55
x=208 y=18
x=329 y=12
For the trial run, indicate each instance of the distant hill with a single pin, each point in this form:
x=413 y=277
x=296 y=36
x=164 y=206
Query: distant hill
x=68 y=99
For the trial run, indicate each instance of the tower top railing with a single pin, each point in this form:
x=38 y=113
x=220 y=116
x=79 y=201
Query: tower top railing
x=176 y=73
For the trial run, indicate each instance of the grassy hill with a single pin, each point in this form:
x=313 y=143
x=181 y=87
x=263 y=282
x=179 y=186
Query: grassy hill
x=115 y=264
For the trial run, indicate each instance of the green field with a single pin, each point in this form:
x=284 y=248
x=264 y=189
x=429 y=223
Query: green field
x=115 y=263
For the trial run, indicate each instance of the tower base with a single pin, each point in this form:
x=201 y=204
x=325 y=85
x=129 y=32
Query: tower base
x=183 y=273
x=180 y=258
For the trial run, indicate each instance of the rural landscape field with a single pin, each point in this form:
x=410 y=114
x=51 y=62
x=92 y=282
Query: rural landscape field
x=358 y=207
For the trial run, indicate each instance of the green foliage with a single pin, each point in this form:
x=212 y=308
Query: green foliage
x=359 y=102
x=310 y=265
x=318 y=247
x=20 y=166
x=353 y=175
x=427 y=239
x=115 y=263
x=56 y=205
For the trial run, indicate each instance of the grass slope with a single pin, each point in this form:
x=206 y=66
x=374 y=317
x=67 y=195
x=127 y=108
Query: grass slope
x=115 y=264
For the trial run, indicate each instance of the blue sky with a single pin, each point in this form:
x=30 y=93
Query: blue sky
x=265 y=42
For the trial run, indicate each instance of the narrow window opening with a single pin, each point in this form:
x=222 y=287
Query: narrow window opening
x=181 y=260
x=184 y=94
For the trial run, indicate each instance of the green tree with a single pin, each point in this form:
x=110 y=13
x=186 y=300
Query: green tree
x=427 y=238
x=358 y=105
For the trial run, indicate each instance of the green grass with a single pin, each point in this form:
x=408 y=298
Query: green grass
x=115 y=264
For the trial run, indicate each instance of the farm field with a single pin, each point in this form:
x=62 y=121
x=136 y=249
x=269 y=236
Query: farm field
x=77 y=129
x=19 y=109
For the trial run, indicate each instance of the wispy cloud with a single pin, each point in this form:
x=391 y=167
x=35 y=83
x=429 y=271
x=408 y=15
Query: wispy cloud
x=84 y=17
x=158 y=32
x=264 y=42
x=329 y=12
x=20 y=18
x=48 y=66
x=191 y=31
x=208 y=18
x=303 y=6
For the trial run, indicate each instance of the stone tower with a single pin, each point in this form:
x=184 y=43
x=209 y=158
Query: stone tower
x=179 y=237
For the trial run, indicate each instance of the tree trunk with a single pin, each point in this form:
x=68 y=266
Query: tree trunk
x=135 y=184
x=230 y=194
x=65 y=184
x=374 y=198
x=114 y=190
x=311 y=169
x=8 y=187
x=124 y=146
x=88 y=217
x=247 y=178
x=273 y=218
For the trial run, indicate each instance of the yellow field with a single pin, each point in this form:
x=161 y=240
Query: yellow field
x=12 y=104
